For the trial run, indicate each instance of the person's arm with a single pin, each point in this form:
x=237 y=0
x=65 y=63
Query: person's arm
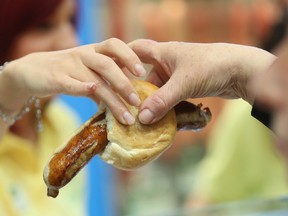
x=262 y=114
x=271 y=90
x=193 y=70
x=187 y=70
x=92 y=70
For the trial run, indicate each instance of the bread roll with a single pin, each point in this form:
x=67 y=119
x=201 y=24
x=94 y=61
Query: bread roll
x=135 y=145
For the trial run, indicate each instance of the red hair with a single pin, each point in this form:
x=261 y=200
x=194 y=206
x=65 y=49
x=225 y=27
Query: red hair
x=17 y=16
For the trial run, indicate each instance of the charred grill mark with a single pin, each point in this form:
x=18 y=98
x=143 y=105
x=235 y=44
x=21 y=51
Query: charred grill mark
x=66 y=163
x=190 y=116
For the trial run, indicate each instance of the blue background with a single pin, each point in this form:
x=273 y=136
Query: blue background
x=101 y=185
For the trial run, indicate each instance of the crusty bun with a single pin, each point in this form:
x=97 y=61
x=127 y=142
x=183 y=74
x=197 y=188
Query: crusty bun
x=133 y=146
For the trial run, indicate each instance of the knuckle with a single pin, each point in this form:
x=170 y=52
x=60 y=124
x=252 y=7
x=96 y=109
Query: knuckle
x=123 y=86
x=159 y=102
x=57 y=80
x=120 y=110
x=126 y=58
x=99 y=84
x=68 y=86
x=112 y=42
x=105 y=62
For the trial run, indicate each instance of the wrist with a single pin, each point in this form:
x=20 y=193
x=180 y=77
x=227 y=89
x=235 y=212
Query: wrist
x=12 y=97
x=15 y=105
x=252 y=63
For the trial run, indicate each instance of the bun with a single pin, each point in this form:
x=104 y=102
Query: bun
x=135 y=145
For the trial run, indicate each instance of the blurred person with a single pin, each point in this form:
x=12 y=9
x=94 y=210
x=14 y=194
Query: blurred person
x=38 y=43
x=208 y=22
x=174 y=169
x=228 y=71
x=241 y=152
x=223 y=70
x=198 y=78
x=242 y=161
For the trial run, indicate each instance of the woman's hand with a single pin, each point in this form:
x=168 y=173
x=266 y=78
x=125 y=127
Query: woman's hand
x=192 y=70
x=91 y=70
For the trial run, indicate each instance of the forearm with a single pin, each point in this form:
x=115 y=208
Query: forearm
x=252 y=63
x=197 y=70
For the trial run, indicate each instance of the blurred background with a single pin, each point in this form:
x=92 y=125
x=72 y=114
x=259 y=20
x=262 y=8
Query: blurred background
x=234 y=159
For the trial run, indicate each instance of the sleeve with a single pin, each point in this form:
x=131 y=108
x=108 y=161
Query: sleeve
x=262 y=115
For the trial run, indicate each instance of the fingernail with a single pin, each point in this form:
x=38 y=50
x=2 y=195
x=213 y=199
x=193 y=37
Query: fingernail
x=129 y=119
x=146 y=116
x=134 y=99
x=140 y=70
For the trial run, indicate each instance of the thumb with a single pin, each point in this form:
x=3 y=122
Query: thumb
x=159 y=103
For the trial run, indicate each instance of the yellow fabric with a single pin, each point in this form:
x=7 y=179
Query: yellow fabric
x=22 y=189
x=242 y=161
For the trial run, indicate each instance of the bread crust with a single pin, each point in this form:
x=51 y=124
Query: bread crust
x=125 y=147
x=132 y=146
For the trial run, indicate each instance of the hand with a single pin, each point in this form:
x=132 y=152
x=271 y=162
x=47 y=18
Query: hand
x=192 y=70
x=91 y=70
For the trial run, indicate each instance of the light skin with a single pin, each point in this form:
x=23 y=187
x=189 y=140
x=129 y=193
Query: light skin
x=192 y=70
x=92 y=70
x=184 y=70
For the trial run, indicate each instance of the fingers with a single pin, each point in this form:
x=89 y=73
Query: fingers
x=117 y=49
x=77 y=88
x=111 y=81
x=115 y=104
x=100 y=89
x=159 y=103
x=106 y=68
x=151 y=52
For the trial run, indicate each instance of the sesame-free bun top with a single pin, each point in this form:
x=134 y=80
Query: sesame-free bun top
x=133 y=146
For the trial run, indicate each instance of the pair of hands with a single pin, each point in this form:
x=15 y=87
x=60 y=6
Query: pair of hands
x=101 y=71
